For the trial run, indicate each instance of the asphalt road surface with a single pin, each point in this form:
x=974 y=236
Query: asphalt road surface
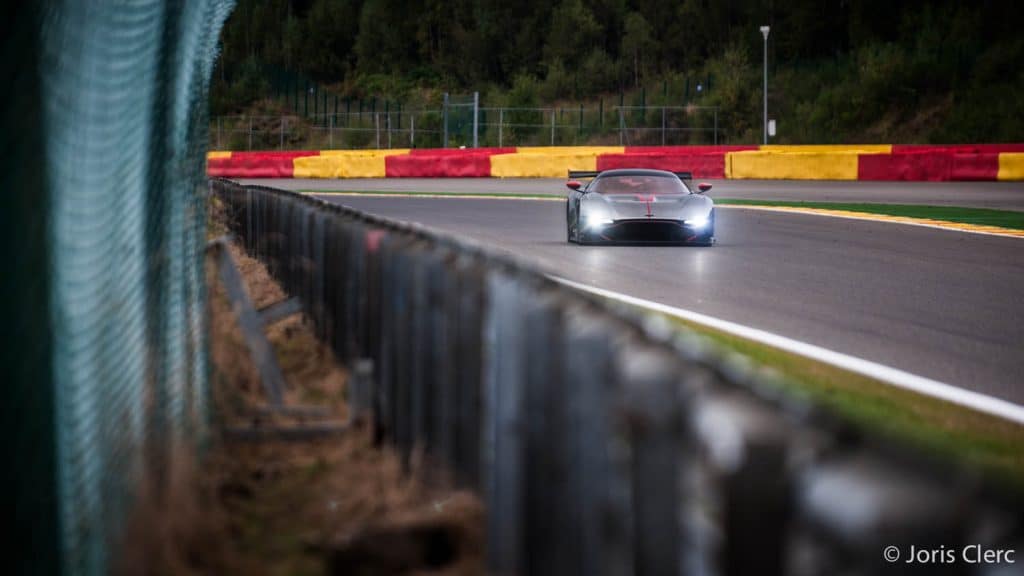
x=942 y=304
x=1003 y=195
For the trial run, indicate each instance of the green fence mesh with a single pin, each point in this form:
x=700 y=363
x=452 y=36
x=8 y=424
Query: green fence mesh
x=104 y=147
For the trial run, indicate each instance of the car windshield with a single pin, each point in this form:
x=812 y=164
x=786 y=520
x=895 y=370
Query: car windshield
x=639 y=184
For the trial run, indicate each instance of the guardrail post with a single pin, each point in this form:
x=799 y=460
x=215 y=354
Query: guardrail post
x=420 y=351
x=385 y=361
x=469 y=381
x=597 y=511
x=502 y=441
x=651 y=419
x=545 y=458
x=360 y=391
x=747 y=448
x=854 y=507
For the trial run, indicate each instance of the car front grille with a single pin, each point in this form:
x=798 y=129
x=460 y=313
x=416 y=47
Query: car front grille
x=647 y=230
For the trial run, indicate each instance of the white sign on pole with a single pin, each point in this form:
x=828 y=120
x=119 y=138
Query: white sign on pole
x=771 y=127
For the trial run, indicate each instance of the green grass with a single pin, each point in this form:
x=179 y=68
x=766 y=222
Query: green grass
x=979 y=216
x=993 y=445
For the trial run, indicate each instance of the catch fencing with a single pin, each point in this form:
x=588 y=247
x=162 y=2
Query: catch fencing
x=454 y=126
x=601 y=440
x=105 y=370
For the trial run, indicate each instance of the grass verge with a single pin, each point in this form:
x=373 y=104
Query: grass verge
x=976 y=216
x=994 y=445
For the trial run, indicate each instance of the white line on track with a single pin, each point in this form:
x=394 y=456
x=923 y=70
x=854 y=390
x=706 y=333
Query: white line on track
x=893 y=376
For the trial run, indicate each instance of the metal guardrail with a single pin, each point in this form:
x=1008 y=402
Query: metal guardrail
x=601 y=441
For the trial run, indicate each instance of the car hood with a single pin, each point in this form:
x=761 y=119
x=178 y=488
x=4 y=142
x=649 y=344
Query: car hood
x=653 y=206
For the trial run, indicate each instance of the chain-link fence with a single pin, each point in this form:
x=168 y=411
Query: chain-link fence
x=553 y=126
x=104 y=155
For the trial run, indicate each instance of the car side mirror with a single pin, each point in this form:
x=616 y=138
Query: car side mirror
x=573 y=184
x=703 y=187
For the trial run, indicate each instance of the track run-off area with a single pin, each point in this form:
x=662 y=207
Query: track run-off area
x=943 y=304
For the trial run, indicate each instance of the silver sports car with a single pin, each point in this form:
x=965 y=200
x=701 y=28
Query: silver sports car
x=638 y=206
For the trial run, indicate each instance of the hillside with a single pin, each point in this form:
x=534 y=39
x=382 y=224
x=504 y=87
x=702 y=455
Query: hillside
x=839 y=70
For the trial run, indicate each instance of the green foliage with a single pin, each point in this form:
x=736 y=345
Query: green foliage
x=573 y=31
x=637 y=46
x=599 y=72
x=737 y=93
x=866 y=70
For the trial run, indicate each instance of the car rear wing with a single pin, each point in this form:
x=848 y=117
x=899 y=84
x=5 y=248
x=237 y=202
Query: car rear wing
x=575 y=174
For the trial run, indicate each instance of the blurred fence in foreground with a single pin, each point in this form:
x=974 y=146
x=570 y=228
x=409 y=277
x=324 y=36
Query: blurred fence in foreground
x=105 y=372
x=602 y=441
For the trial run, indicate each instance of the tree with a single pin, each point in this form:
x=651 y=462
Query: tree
x=574 y=30
x=637 y=44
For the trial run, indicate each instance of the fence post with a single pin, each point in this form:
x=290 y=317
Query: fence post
x=622 y=126
x=412 y=130
x=387 y=119
x=662 y=125
x=716 y=126
x=280 y=145
x=444 y=121
x=330 y=127
x=476 y=119
x=376 y=125
x=250 y=132
x=552 y=126
x=501 y=121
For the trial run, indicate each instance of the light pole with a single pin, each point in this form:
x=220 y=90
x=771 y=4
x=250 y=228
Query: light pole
x=764 y=32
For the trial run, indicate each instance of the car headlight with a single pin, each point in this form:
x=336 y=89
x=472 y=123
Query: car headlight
x=596 y=218
x=697 y=223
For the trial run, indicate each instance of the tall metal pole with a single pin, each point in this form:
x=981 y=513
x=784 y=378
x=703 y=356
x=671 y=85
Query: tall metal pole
x=764 y=32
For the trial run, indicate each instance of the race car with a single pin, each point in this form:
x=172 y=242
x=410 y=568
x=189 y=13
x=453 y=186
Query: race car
x=638 y=206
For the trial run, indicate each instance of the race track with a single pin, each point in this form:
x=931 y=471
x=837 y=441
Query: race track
x=1002 y=195
x=942 y=304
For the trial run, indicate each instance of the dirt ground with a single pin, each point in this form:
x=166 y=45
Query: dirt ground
x=333 y=506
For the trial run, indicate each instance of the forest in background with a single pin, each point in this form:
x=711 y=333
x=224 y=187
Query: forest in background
x=839 y=70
